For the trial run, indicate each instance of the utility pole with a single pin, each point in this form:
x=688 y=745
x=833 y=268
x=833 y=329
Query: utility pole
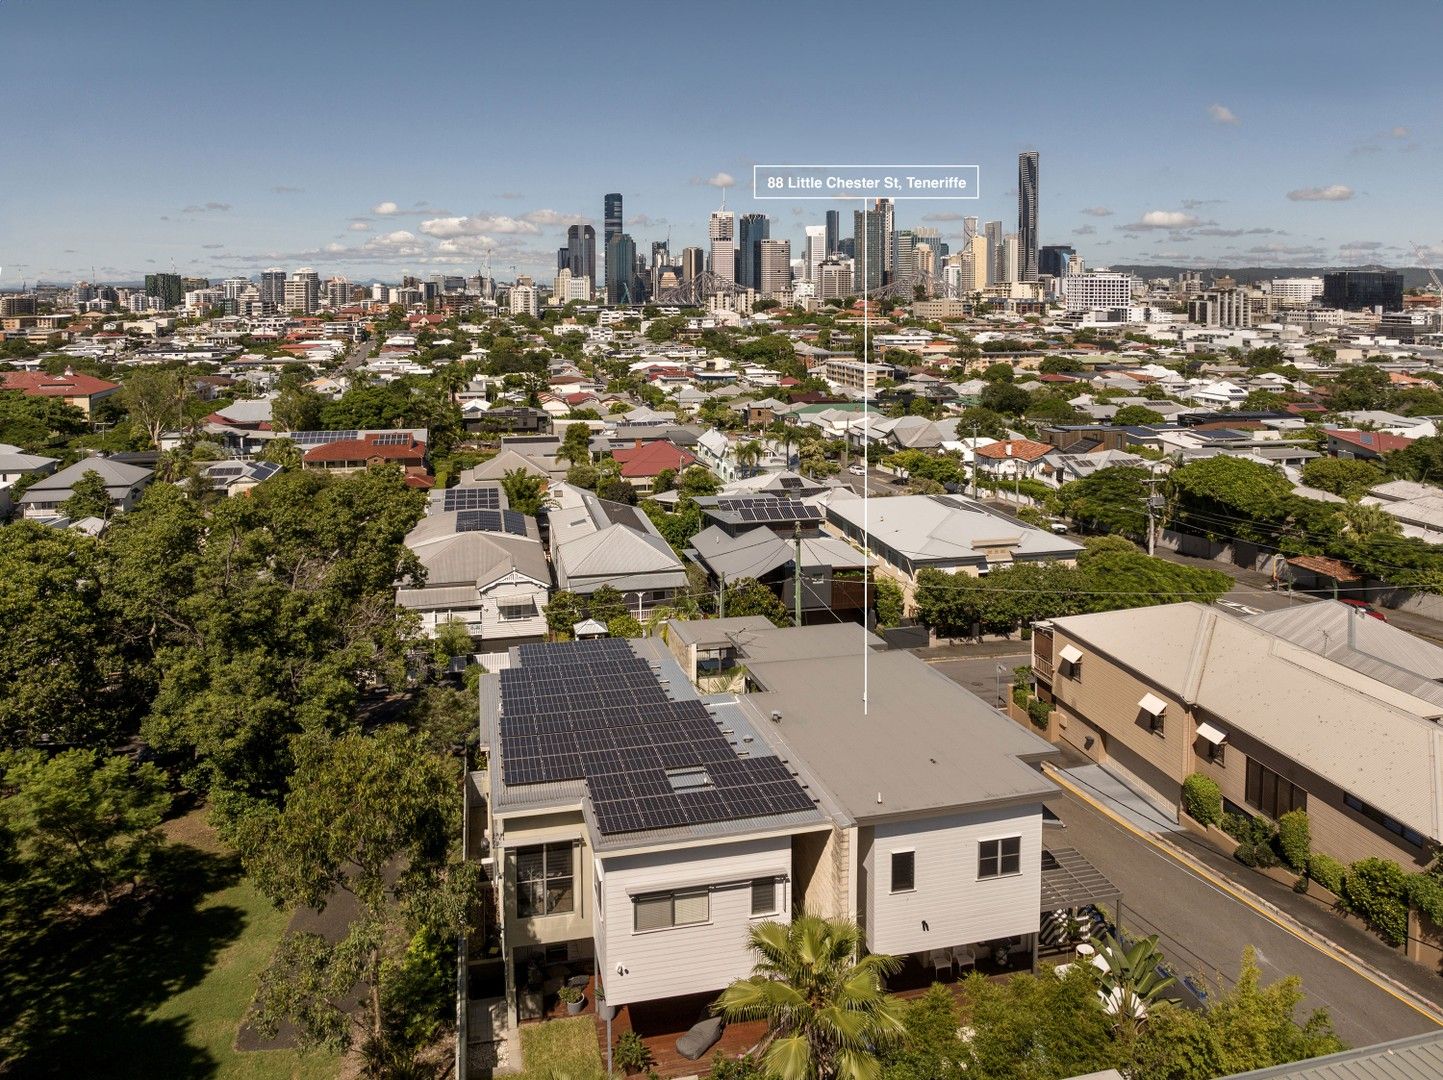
x=1155 y=502
x=974 y=461
x=797 y=577
x=721 y=596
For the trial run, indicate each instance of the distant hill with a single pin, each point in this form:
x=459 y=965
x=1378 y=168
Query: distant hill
x=1414 y=277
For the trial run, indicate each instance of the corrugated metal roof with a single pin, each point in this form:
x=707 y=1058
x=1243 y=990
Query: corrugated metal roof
x=1417 y=1058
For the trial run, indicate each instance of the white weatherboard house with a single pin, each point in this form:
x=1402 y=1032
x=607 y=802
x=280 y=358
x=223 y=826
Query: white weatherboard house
x=634 y=830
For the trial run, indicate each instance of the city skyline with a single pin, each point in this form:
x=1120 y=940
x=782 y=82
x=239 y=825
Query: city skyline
x=1217 y=169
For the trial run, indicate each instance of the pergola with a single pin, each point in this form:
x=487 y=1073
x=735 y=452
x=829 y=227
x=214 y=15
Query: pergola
x=1069 y=882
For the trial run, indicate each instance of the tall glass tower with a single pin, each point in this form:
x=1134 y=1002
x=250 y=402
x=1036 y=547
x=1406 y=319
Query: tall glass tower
x=1027 y=216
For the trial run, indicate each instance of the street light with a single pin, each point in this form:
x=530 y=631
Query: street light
x=1000 y=670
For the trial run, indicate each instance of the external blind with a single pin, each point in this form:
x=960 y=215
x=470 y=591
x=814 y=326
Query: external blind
x=653 y=912
x=693 y=907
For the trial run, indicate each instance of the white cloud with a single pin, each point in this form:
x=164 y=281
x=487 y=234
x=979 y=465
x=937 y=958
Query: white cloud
x=1097 y=211
x=510 y=195
x=946 y=215
x=207 y=208
x=359 y=226
x=284 y=189
x=1163 y=219
x=1331 y=193
x=1221 y=114
x=445 y=228
x=717 y=180
x=1084 y=230
x=384 y=208
x=1361 y=245
x=553 y=217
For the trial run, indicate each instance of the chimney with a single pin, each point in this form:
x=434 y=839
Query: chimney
x=1007 y=448
x=637 y=445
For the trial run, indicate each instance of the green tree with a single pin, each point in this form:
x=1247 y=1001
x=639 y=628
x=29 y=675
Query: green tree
x=372 y=817
x=1348 y=477
x=1112 y=501
x=564 y=611
x=37 y=423
x=155 y=399
x=1422 y=461
x=1036 y=1027
x=1005 y=398
x=297 y=408
x=283 y=452
x=933 y=1048
x=452 y=639
x=624 y=626
x=748 y=596
x=576 y=445
x=606 y=604
x=1137 y=416
x=525 y=491
x=889 y=601
x=827 y=1012
x=87 y=824
x=88 y=497
x=615 y=489
x=697 y=480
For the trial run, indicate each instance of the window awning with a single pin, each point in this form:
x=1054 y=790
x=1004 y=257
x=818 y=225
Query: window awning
x=1070 y=654
x=1216 y=736
x=1152 y=704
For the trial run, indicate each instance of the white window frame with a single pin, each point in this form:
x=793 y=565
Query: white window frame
x=999 y=857
x=892 y=871
x=671 y=897
x=775 y=907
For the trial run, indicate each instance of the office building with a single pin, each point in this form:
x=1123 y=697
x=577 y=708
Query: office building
x=620 y=270
x=1011 y=262
x=816 y=248
x=338 y=292
x=581 y=252
x=834 y=229
x=693 y=260
x=969 y=230
x=166 y=288
x=834 y=279
x=302 y=292
x=933 y=239
x=1052 y=259
x=563 y=258
x=1223 y=307
x=775 y=272
x=1363 y=290
x=975 y=264
x=721 y=231
x=869 y=239
x=847 y=247
x=611 y=210
x=992 y=230
x=886 y=211
x=904 y=243
x=1296 y=292
x=752 y=229
x=1097 y=291
x=1027 y=216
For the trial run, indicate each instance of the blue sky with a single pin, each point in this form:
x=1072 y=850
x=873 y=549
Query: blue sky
x=372 y=138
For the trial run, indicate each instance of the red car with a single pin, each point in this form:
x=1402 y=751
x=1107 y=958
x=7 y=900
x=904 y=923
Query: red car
x=1362 y=606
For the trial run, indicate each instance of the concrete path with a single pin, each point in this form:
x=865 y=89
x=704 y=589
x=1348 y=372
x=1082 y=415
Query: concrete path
x=1114 y=793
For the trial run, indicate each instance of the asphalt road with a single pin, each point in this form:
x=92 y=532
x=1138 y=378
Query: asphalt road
x=359 y=354
x=975 y=666
x=1204 y=929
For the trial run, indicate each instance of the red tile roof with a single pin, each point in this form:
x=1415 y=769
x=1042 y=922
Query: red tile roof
x=39 y=384
x=1378 y=442
x=1329 y=568
x=365 y=448
x=651 y=459
x=1023 y=449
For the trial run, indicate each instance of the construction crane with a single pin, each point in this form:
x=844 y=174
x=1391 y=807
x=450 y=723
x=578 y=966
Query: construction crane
x=1423 y=262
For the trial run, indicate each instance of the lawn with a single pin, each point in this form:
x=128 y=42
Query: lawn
x=561 y=1049
x=158 y=988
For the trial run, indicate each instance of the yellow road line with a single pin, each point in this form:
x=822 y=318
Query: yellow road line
x=1336 y=953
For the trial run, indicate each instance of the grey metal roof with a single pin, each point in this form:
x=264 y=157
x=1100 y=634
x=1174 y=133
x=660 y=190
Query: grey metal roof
x=925 y=744
x=1418 y=1057
x=117 y=475
x=713 y=633
x=475 y=558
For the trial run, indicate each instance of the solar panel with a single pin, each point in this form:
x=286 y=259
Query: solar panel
x=319 y=438
x=471 y=498
x=594 y=710
x=391 y=438
x=770 y=509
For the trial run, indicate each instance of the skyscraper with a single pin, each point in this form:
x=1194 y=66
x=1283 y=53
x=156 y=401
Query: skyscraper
x=721 y=232
x=903 y=244
x=868 y=240
x=1027 y=216
x=993 y=231
x=834 y=230
x=273 y=287
x=969 y=230
x=611 y=207
x=620 y=269
x=581 y=251
x=816 y=247
x=1011 y=262
x=303 y=291
x=693 y=259
x=775 y=257
x=752 y=229
x=563 y=259
x=886 y=209
x=1052 y=259
x=166 y=287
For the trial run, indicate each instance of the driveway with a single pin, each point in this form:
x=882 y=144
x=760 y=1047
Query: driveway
x=1204 y=929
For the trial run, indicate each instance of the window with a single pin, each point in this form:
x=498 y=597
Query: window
x=1270 y=794
x=662 y=911
x=544 y=880
x=999 y=858
x=764 y=896
x=513 y=610
x=904 y=871
x=1216 y=752
x=1393 y=825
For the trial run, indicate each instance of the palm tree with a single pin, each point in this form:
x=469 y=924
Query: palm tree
x=827 y=1011
x=748 y=454
x=1133 y=978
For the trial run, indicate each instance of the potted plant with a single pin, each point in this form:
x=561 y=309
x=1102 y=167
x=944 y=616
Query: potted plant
x=603 y=1010
x=573 y=997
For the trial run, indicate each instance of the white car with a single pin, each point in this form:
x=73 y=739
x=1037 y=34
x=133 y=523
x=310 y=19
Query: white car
x=856 y=470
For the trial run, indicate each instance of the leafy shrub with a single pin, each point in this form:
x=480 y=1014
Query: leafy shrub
x=1425 y=892
x=1260 y=855
x=631 y=1055
x=1294 y=839
x=1376 y=890
x=1238 y=826
x=1039 y=712
x=742 y=1068
x=1327 y=872
x=1301 y=885
x=1020 y=696
x=1202 y=799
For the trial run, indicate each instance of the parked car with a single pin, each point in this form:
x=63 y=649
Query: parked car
x=1366 y=608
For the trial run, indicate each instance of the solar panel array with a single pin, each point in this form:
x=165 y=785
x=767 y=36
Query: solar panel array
x=391 y=438
x=507 y=521
x=471 y=498
x=770 y=510
x=595 y=711
x=320 y=438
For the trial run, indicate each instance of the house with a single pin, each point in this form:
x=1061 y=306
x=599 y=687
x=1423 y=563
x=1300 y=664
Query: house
x=1063 y=468
x=247 y=414
x=1363 y=445
x=595 y=542
x=82 y=391
x=944 y=532
x=348 y=455
x=1013 y=459
x=16 y=463
x=123 y=485
x=1274 y=708
x=236 y=477
x=831 y=569
x=485 y=568
x=782 y=514
x=642 y=463
x=638 y=831
x=543 y=465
